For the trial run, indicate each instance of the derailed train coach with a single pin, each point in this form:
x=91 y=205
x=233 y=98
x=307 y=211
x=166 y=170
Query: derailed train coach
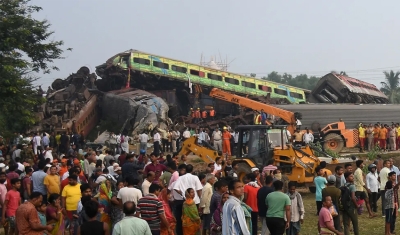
x=337 y=88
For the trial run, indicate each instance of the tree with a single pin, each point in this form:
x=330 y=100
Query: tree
x=390 y=86
x=25 y=47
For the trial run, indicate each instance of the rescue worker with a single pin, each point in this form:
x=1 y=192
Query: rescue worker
x=212 y=113
x=376 y=135
x=204 y=114
x=197 y=115
x=361 y=137
x=370 y=137
x=192 y=115
x=398 y=136
x=382 y=138
x=257 y=118
x=217 y=138
x=226 y=145
x=263 y=117
x=392 y=138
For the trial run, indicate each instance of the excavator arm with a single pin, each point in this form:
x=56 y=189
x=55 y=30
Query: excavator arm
x=190 y=145
x=287 y=116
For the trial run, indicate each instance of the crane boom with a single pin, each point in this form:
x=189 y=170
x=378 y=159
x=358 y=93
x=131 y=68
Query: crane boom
x=285 y=115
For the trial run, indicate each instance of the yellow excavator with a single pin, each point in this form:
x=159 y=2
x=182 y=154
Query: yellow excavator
x=263 y=142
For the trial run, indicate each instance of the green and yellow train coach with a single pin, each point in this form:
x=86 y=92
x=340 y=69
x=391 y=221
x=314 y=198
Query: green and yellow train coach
x=205 y=76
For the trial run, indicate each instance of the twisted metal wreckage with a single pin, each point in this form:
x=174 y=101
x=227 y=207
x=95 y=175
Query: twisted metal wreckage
x=75 y=105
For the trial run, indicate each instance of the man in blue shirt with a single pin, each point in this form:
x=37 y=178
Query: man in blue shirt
x=37 y=180
x=320 y=183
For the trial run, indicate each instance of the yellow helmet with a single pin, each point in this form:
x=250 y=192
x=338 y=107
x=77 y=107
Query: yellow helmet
x=198 y=108
x=225 y=128
x=191 y=108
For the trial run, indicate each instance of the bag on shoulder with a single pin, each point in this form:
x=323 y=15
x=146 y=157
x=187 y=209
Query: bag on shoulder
x=345 y=197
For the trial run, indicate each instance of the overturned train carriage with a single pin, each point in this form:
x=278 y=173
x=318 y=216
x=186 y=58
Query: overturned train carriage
x=337 y=88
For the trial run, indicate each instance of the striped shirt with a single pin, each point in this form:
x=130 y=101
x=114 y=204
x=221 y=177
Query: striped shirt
x=150 y=208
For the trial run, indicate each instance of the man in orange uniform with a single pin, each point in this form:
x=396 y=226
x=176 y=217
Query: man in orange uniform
x=212 y=113
x=376 y=135
x=197 y=115
x=361 y=137
x=193 y=115
x=204 y=114
x=226 y=144
x=382 y=137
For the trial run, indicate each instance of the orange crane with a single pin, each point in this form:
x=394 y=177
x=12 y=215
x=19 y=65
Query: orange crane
x=287 y=116
x=336 y=136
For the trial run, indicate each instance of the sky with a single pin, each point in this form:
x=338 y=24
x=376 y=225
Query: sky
x=314 y=37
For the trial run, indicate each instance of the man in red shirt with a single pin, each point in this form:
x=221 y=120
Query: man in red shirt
x=325 y=220
x=250 y=198
x=28 y=218
x=155 y=167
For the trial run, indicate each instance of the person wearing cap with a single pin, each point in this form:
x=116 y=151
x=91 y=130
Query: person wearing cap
x=256 y=171
x=71 y=195
x=250 y=198
x=335 y=193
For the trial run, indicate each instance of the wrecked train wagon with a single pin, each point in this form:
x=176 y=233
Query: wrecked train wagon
x=135 y=110
x=161 y=72
x=337 y=88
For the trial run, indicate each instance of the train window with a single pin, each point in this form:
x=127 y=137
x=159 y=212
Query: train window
x=248 y=84
x=197 y=73
x=179 y=69
x=232 y=81
x=141 y=61
x=214 y=77
x=296 y=95
x=160 y=64
x=280 y=91
x=125 y=60
x=264 y=88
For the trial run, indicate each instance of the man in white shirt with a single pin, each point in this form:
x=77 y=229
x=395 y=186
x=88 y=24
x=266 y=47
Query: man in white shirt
x=37 y=141
x=217 y=137
x=308 y=137
x=373 y=185
x=48 y=154
x=186 y=134
x=143 y=139
x=181 y=185
x=129 y=193
x=395 y=169
x=156 y=142
x=383 y=178
x=147 y=182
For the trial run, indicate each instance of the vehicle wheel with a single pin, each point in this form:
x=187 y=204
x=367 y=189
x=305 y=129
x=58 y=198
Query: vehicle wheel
x=333 y=142
x=312 y=189
x=243 y=169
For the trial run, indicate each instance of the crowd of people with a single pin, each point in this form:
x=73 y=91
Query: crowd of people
x=340 y=196
x=46 y=188
x=385 y=137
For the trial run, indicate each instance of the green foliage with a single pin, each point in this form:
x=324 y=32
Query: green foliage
x=301 y=81
x=390 y=86
x=25 y=47
x=371 y=155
